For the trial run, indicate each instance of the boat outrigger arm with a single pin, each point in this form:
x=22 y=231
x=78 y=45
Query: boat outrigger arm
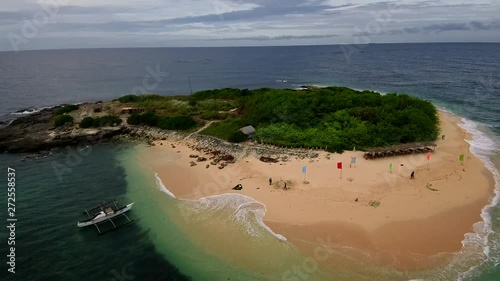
x=105 y=213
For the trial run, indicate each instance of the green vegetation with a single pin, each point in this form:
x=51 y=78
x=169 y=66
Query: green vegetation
x=97 y=122
x=62 y=119
x=130 y=98
x=87 y=122
x=182 y=105
x=237 y=136
x=164 y=122
x=66 y=109
x=225 y=129
x=337 y=118
x=176 y=122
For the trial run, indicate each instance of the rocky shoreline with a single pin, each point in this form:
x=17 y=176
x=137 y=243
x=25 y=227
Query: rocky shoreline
x=35 y=134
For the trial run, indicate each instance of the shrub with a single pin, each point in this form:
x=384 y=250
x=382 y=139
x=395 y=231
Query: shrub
x=164 y=122
x=108 y=120
x=237 y=136
x=87 y=122
x=176 y=123
x=129 y=98
x=104 y=121
x=134 y=119
x=66 y=109
x=62 y=119
x=149 y=118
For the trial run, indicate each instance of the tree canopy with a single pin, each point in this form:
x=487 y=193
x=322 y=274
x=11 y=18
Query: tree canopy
x=338 y=118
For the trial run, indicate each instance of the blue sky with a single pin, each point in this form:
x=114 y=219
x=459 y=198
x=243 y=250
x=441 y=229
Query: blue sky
x=48 y=24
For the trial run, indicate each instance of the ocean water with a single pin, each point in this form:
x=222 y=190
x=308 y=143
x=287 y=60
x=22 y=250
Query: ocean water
x=218 y=238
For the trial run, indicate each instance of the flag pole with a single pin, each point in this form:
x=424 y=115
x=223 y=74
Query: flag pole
x=428 y=159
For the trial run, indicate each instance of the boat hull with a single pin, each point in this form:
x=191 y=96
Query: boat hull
x=105 y=218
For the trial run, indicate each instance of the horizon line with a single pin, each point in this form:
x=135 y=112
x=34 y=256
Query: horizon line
x=248 y=46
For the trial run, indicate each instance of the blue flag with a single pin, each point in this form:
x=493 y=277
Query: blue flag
x=304 y=169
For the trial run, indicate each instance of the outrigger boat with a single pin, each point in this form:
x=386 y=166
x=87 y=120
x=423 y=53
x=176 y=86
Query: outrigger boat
x=105 y=213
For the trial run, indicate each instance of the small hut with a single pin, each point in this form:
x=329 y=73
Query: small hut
x=248 y=130
x=130 y=110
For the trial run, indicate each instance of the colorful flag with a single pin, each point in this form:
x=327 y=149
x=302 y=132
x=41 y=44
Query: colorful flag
x=390 y=167
x=353 y=160
x=461 y=158
x=304 y=169
x=429 y=156
x=339 y=165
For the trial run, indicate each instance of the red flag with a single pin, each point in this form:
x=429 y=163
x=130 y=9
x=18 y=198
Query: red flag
x=429 y=156
x=339 y=165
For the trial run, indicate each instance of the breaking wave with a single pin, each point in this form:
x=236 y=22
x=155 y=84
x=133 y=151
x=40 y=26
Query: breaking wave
x=481 y=247
x=162 y=187
x=28 y=111
x=246 y=211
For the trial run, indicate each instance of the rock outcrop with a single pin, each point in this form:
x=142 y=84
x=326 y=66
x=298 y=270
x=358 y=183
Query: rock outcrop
x=36 y=132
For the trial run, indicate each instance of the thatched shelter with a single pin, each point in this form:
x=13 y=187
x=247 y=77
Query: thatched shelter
x=400 y=149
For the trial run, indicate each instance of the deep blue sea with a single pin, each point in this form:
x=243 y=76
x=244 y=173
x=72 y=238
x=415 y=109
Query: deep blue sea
x=461 y=78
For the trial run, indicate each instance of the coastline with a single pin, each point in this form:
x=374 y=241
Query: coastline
x=413 y=228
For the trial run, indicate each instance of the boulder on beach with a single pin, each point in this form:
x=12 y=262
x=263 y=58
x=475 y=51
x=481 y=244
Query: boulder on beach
x=268 y=159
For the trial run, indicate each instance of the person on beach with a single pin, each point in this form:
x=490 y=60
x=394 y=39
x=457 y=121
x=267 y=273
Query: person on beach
x=285 y=187
x=412 y=176
x=270 y=181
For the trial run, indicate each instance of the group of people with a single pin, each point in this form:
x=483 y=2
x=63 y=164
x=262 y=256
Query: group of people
x=271 y=183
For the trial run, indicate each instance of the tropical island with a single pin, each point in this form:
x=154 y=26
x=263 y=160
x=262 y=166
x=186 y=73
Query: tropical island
x=332 y=118
x=283 y=148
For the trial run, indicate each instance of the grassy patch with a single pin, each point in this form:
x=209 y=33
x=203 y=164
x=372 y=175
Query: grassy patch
x=225 y=129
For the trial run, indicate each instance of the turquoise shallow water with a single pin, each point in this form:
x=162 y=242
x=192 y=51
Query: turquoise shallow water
x=206 y=239
x=49 y=246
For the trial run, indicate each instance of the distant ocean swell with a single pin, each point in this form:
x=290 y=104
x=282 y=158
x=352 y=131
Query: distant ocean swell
x=245 y=211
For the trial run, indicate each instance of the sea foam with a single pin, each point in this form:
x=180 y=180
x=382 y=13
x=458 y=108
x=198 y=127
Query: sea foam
x=243 y=208
x=484 y=147
x=162 y=187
